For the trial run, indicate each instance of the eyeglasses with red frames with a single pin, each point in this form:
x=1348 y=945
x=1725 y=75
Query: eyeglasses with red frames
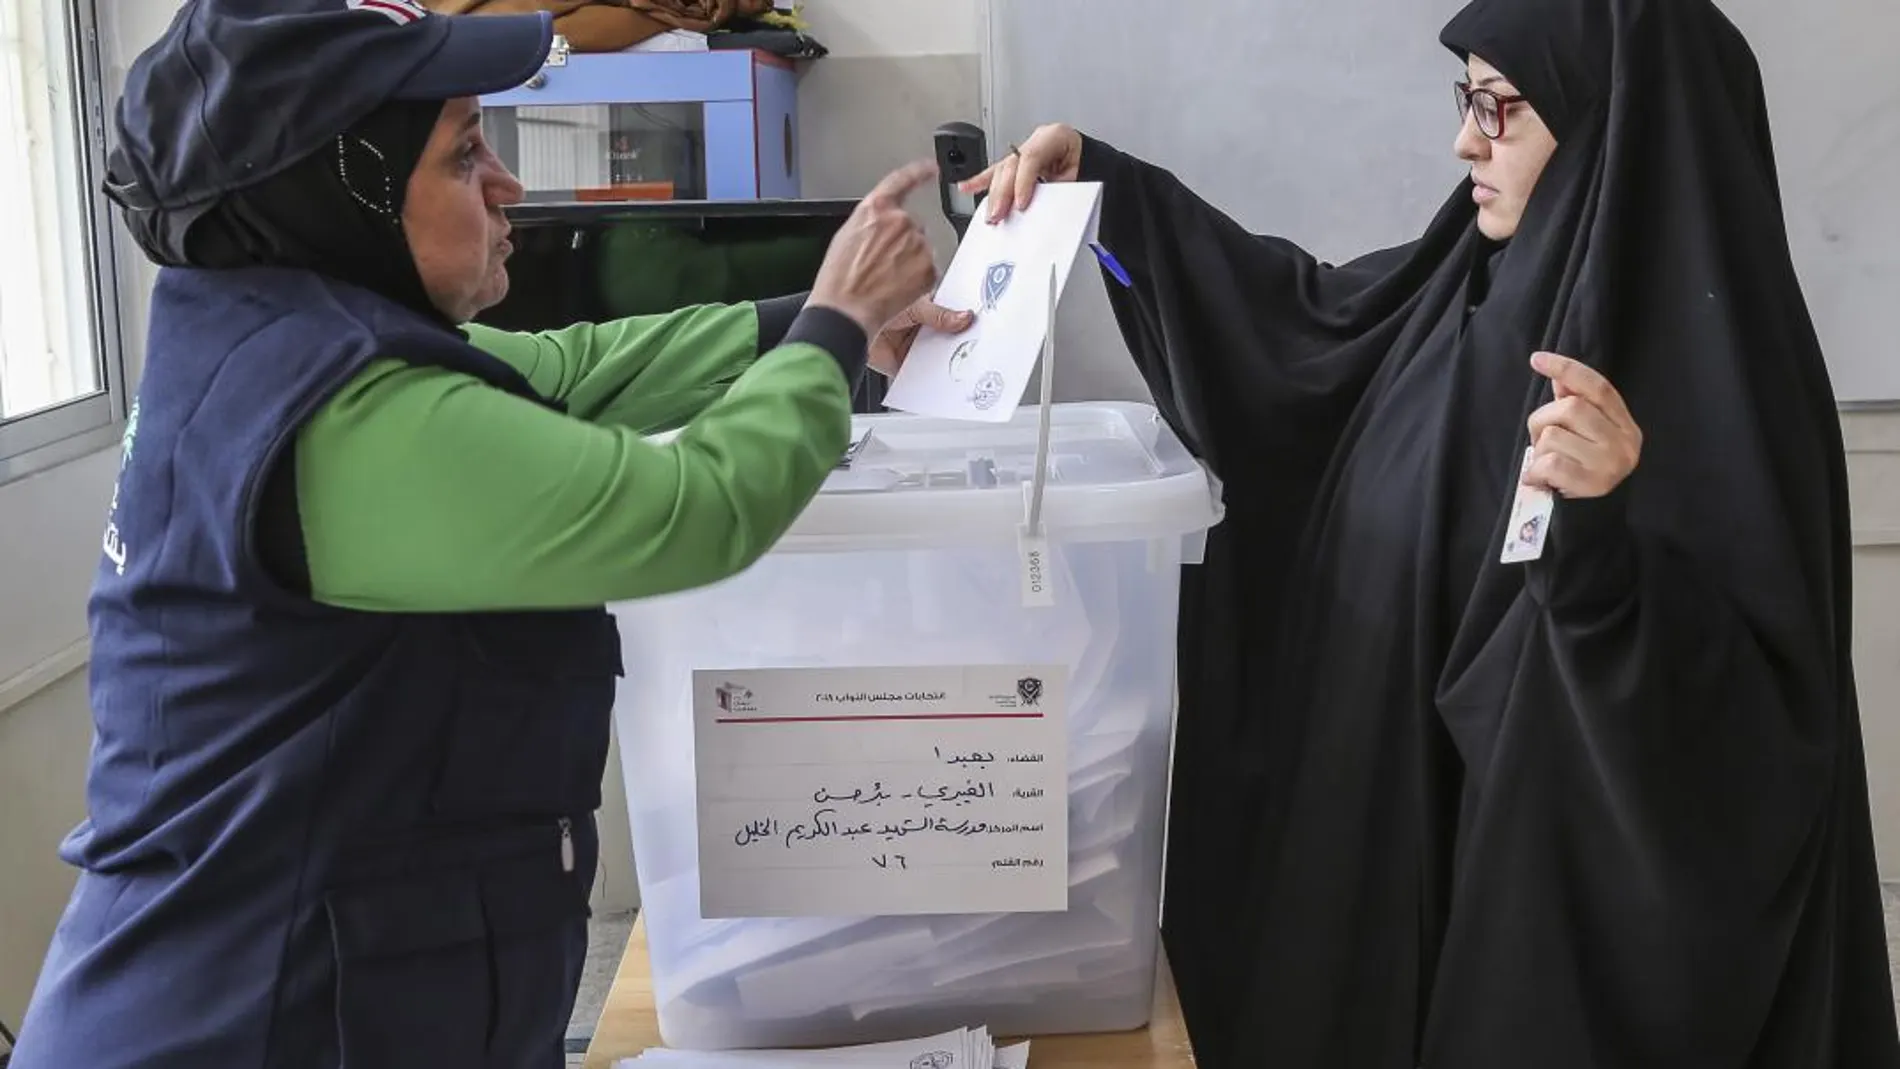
x=1487 y=105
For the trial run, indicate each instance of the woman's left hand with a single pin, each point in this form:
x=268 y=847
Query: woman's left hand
x=1585 y=441
x=893 y=343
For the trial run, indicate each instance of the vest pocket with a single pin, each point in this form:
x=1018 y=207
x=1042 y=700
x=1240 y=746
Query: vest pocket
x=534 y=708
x=538 y=934
x=413 y=974
x=466 y=969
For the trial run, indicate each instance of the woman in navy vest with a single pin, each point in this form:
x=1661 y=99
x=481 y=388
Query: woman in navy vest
x=351 y=673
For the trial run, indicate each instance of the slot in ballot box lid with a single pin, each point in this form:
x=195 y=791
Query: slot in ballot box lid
x=1116 y=473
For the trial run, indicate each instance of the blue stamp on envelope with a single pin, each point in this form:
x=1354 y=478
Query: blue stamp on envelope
x=996 y=283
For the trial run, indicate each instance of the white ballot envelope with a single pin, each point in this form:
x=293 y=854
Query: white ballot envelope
x=1000 y=272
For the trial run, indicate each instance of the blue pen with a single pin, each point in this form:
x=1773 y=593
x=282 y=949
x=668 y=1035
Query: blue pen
x=1112 y=265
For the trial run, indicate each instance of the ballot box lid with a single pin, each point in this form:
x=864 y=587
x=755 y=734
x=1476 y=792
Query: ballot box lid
x=1116 y=472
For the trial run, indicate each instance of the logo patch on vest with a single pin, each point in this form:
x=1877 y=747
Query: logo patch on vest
x=114 y=542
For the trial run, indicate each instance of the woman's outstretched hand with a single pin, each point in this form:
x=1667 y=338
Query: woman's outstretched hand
x=879 y=261
x=893 y=343
x=1052 y=154
x=1585 y=442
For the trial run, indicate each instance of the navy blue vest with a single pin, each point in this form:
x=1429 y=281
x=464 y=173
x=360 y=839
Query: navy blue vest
x=316 y=837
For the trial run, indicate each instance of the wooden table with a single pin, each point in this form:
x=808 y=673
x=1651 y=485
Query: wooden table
x=629 y=1024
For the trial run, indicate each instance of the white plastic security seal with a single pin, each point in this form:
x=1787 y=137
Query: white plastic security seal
x=1038 y=583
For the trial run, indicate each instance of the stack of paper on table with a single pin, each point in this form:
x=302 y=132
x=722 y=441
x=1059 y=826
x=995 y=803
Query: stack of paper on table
x=962 y=1049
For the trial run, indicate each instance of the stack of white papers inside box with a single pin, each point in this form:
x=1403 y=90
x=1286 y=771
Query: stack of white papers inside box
x=962 y=1049
x=771 y=982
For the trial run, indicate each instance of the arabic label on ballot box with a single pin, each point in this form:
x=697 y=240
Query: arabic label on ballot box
x=882 y=791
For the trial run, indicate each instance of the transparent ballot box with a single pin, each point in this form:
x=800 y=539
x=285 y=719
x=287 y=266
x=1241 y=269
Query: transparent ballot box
x=910 y=565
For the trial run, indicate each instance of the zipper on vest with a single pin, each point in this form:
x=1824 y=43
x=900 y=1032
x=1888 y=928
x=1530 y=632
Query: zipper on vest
x=567 y=845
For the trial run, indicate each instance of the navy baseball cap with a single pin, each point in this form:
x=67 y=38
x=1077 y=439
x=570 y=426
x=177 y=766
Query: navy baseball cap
x=238 y=90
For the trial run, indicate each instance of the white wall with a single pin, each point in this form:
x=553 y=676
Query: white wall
x=893 y=29
x=1873 y=443
x=898 y=69
x=43 y=747
x=49 y=542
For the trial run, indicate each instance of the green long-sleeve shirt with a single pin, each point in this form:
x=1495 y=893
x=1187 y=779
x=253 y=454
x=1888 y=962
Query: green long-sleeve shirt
x=421 y=489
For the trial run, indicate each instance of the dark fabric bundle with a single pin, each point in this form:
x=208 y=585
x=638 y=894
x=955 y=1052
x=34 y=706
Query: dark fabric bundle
x=337 y=211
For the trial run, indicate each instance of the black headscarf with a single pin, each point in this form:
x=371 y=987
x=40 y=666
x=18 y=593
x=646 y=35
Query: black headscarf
x=1605 y=809
x=337 y=211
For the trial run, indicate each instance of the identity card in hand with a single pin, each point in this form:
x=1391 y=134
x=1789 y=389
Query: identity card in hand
x=1530 y=519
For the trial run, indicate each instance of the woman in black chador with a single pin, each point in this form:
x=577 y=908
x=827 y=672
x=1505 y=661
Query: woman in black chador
x=1460 y=790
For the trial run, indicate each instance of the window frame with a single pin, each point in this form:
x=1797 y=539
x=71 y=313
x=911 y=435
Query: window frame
x=49 y=437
